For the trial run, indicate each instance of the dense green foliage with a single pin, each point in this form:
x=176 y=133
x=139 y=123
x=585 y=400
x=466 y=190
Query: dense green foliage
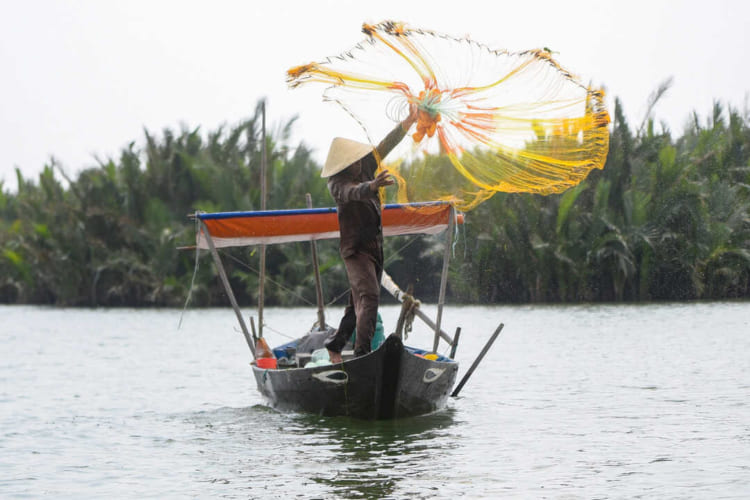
x=667 y=219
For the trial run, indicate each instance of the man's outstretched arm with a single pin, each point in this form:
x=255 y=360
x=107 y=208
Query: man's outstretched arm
x=397 y=134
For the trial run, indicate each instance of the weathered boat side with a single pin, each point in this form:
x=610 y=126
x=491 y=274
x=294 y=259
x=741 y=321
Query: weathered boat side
x=424 y=385
x=391 y=382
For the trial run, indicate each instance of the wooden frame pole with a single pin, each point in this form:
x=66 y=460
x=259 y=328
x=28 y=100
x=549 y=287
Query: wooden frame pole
x=398 y=294
x=227 y=286
x=477 y=361
x=262 y=277
x=454 y=345
x=444 y=277
x=316 y=269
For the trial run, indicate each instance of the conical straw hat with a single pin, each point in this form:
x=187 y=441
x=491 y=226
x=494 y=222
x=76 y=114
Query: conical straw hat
x=343 y=152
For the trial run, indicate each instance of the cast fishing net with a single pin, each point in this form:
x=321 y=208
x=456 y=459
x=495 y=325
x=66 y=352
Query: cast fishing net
x=488 y=120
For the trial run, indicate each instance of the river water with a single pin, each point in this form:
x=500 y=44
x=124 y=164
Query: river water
x=626 y=401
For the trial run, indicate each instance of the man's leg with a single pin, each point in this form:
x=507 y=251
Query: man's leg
x=363 y=277
x=336 y=343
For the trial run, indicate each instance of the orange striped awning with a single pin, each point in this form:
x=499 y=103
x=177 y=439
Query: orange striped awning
x=282 y=226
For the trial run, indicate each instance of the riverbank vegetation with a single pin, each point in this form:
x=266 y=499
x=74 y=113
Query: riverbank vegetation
x=668 y=218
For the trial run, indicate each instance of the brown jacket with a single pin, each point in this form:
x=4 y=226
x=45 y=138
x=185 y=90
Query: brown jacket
x=358 y=206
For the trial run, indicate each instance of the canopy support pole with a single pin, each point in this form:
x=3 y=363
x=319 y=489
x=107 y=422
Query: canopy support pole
x=398 y=294
x=444 y=276
x=227 y=287
x=262 y=277
x=316 y=269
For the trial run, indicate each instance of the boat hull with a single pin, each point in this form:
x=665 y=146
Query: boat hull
x=390 y=382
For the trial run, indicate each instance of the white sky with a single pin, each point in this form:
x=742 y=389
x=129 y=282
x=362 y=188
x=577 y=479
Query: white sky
x=82 y=78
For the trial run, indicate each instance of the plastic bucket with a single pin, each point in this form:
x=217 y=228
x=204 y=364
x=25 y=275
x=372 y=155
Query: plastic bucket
x=267 y=363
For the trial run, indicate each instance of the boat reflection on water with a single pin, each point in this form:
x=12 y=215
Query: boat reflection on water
x=263 y=453
x=358 y=458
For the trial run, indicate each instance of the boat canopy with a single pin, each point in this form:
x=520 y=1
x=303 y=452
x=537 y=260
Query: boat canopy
x=230 y=229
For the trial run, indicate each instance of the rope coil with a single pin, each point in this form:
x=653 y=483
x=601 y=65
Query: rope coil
x=406 y=317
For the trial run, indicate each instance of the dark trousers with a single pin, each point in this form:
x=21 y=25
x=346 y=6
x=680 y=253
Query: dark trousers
x=364 y=272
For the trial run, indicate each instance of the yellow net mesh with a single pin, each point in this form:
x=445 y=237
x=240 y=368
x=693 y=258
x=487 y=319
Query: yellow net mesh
x=488 y=120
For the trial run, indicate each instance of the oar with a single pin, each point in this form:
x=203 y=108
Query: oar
x=477 y=361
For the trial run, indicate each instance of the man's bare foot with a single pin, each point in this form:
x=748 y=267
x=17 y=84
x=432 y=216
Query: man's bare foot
x=335 y=356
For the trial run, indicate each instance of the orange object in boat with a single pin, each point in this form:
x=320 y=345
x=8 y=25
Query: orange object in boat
x=267 y=363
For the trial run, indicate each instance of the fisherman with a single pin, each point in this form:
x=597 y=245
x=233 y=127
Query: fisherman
x=350 y=169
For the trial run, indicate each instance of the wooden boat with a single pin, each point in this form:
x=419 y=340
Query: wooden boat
x=394 y=380
x=390 y=382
